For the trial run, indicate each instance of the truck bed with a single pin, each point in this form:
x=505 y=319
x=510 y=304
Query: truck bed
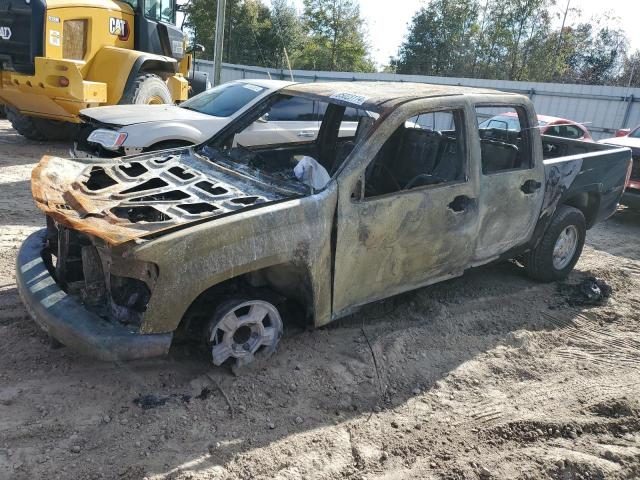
x=589 y=176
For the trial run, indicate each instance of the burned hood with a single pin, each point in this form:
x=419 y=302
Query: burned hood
x=125 y=199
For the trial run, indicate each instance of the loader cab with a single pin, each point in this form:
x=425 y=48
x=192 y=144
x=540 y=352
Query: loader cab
x=155 y=29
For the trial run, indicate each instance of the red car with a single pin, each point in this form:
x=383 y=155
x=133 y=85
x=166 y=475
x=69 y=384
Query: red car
x=630 y=139
x=554 y=126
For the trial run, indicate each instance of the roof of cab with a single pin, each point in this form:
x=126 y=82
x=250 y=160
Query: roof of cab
x=381 y=95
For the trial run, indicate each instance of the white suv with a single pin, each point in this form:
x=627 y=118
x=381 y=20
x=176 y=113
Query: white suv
x=119 y=130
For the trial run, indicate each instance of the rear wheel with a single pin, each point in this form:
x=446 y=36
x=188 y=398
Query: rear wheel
x=244 y=332
x=40 y=129
x=560 y=247
x=147 y=89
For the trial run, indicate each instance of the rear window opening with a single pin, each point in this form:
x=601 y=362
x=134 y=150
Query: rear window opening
x=211 y=188
x=133 y=170
x=140 y=214
x=162 y=196
x=148 y=185
x=99 y=179
x=198 y=208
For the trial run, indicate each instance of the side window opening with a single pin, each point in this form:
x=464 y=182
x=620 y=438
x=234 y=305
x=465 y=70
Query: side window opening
x=504 y=138
x=427 y=149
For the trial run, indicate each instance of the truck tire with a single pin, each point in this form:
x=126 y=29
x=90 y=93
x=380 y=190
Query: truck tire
x=147 y=89
x=40 y=129
x=560 y=247
x=244 y=332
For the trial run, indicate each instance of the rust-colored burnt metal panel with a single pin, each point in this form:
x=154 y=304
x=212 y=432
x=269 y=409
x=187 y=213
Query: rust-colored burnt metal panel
x=379 y=96
x=119 y=201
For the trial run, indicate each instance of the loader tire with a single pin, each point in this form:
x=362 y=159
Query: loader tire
x=40 y=129
x=147 y=89
x=560 y=248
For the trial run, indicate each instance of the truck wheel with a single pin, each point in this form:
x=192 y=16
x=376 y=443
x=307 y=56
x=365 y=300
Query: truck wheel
x=243 y=332
x=147 y=89
x=40 y=129
x=560 y=247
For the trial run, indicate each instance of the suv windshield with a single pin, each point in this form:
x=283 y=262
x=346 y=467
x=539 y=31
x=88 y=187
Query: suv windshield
x=225 y=100
x=635 y=133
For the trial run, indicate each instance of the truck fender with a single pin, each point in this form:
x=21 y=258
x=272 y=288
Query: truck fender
x=132 y=64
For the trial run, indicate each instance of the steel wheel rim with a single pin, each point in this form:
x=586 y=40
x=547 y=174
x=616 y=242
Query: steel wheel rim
x=243 y=330
x=565 y=247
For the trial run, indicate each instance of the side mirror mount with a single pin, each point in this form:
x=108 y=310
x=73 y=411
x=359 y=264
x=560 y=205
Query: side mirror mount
x=264 y=118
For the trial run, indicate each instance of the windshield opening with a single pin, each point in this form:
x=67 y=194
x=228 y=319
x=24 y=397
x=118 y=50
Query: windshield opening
x=293 y=139
x=224 y=100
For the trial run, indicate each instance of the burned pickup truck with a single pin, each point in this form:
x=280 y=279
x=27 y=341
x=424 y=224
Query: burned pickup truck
x=217 y=241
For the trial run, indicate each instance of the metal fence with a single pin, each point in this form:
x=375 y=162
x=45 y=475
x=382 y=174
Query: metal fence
x=602 y=109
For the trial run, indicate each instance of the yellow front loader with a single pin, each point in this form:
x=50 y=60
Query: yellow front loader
x=60 y=56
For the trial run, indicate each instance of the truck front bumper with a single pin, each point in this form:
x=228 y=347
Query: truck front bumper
x=43 y=95
x=631 y=198
x=68 y=321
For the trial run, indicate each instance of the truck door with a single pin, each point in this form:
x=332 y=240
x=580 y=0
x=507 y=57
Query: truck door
x=407 y=215
x=511 y=178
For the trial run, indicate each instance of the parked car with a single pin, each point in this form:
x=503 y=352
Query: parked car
x=217 y=242
x=553 y=126
x=631 y=140
x=118 y=130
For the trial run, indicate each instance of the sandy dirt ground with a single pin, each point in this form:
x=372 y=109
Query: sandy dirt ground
x=487 y=376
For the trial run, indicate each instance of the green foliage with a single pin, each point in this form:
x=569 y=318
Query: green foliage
x=511 y=40
x=498 y=39
x=328 y=36
x=335 y=39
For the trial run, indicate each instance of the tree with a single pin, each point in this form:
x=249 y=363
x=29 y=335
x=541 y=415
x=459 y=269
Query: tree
x=286 y=33
x=631 y=71
x=335 y=37
x=440 y=38
x=254 y=34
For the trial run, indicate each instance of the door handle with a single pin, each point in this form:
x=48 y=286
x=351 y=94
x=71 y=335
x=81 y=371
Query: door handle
x=530 y=186
x=306 y=134
x=460 y=204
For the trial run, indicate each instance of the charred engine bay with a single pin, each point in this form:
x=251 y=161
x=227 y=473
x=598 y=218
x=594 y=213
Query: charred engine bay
x=123 y=200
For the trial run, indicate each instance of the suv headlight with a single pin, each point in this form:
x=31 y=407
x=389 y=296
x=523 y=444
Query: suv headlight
x=74 y=39
x=109 y=139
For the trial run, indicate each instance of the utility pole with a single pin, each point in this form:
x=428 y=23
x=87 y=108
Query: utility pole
x=217 y=51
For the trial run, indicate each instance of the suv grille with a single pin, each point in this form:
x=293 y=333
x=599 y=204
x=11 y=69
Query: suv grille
x=21 y=25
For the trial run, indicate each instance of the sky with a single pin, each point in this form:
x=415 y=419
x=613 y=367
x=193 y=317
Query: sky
x=387 y=20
